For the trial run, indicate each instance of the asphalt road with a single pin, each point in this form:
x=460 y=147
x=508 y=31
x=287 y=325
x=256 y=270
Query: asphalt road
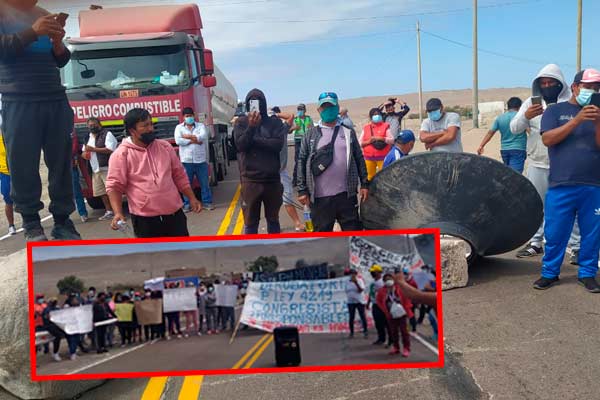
x=503 y=339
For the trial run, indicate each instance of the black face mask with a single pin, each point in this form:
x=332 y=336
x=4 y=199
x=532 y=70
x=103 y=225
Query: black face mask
x=95 y=130
x=550 y=94
x=147 y=138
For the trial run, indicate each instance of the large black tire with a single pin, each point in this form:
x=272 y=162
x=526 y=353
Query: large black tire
x=95 y=202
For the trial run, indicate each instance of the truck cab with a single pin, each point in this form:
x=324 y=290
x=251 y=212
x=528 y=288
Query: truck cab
x=150 y=57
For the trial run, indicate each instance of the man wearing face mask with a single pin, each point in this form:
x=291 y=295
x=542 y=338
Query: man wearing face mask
x=36 y=115
x=571 y=131
x=101 y=144
x=441 y=130
x=302 y=123
x=376 y=141
x=331 y=168
x=259 y=139
x=149 y=172
x=192 y=139
x=551 y=86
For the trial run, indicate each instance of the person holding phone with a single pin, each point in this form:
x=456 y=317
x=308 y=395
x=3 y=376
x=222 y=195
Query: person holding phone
x=36 y=114
x=548 y=87
x=571 y=131
x=259 y=139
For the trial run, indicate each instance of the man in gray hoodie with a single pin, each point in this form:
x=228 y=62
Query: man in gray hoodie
x=551 y=86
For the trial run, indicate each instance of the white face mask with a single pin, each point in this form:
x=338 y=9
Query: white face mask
x=389 y=283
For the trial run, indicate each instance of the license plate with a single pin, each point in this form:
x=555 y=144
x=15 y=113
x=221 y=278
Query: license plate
x=127 y=94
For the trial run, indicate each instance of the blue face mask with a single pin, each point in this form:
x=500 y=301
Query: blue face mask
x=435 y=115
x=585 y=97
x=189 y=120
x=377 y=118
x=330 y=114
x=301 y=114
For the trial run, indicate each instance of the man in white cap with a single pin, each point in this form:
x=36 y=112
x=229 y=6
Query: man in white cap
x=571 y=131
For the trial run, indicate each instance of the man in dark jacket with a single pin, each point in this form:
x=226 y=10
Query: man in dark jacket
x=102 y=312
x=36 y=114
x=259 y=139
x=332 y=194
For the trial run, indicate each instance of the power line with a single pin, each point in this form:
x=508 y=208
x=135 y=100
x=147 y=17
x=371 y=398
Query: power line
x=371 y=18
x=521 y=59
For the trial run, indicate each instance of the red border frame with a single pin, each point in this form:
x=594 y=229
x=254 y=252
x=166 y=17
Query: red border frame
x=429 y=231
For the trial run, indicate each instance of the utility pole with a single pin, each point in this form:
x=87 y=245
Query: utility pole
x=420 y=77
x=475 y=70
x=579 y=15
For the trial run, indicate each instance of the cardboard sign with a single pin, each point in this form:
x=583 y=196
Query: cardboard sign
x=149 y=312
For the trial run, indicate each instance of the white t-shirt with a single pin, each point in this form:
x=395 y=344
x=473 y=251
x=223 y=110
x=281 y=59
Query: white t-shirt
x=448 y=119
x=110 y=142
x=191 y=152
x=354 y=296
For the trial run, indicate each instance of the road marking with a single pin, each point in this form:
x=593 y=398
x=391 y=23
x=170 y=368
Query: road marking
x=259 y=352
x=227 y=219
x=191 y=387
x=425 y=343
x=249 y=353
x=112 y=357
x=239 y=224
x=21 y=229
x=155 y=388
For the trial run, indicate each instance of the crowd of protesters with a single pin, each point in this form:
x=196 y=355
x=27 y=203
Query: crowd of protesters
x=121 y=326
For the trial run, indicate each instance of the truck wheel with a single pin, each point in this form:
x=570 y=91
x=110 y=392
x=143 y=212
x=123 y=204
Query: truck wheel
x=95 y=202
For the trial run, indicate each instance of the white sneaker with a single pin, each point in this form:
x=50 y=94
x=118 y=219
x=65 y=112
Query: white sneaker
x=73 y=357
x=199 y=333
x=178 y=336
x=107 y=216
x=56 y=357
x=84 y=218
x=12 y=230
x=186 y=336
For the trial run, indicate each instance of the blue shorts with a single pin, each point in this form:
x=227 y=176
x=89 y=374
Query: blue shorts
x=5 y=188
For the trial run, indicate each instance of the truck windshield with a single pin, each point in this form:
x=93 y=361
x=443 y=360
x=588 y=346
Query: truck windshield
x=118 y=69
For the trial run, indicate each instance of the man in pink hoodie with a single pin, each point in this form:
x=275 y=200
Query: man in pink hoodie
x=149 y=173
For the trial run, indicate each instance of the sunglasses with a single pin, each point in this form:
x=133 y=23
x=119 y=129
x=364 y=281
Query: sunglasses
x=328 y=94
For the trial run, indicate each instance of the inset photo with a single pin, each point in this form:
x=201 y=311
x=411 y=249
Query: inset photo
x=223 y=305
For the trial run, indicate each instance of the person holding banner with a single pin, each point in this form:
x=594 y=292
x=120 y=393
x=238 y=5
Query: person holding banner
x=52 y=328
x=378 y=314
x=102 y=312
x=191 y=318
x=73 y=341
x=355 y=290
x=211 y=310
x=202 y=293
x=397 y=308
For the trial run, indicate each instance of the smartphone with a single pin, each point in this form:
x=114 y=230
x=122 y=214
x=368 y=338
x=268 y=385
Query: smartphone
x=254 y=106
x=62 y=18
x=595 y=100
x=536 y=100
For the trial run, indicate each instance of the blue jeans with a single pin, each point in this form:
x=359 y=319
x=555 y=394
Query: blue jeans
x=200 y=170
x=562 y=205
x=514 y=159
x=73 y=341
x=78 y=194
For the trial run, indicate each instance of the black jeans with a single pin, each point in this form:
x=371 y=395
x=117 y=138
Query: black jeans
x=381 y=323
x=297 y=145
x=174 y=225
x=254 y=194
x=361 y=312
x=28 y=128
x=101 y=337
x=344 y=209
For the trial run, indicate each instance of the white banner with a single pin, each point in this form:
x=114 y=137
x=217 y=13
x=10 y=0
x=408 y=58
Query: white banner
x=74 y=320
x=363 y=254
x=317 y=306
x=183 y=299
x=226 y=295
x=156 y=284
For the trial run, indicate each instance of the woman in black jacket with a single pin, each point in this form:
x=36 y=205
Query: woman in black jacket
x=102 y=312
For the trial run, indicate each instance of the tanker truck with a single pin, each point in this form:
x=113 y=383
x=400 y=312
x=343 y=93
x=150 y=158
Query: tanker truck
x=151 y=57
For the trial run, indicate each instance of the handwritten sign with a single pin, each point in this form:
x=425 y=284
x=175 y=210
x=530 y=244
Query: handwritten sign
x=74 y=320
x=179 y=299
x=299 y=274
x=317 y=306
x=226 y=295
x=363 y=254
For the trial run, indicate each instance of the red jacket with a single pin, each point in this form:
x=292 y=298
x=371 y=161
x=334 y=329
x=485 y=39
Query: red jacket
x=382 y=297
x=379 y=131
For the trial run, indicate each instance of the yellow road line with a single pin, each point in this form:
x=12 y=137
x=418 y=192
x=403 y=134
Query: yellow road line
x=259 y=352
x=227 y=219
x=191 y=387
x=154 y=388
x=239 y=225
x=249 y=353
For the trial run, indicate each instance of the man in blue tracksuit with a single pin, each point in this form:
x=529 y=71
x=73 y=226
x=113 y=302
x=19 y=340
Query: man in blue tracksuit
x=571 y=131
x=404 y=143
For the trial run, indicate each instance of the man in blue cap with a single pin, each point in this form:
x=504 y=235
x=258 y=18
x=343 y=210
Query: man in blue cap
x=405 y=142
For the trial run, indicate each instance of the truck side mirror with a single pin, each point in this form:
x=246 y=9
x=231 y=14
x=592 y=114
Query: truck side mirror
x=206 y=62
x=209 y=81
x=88 y=74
